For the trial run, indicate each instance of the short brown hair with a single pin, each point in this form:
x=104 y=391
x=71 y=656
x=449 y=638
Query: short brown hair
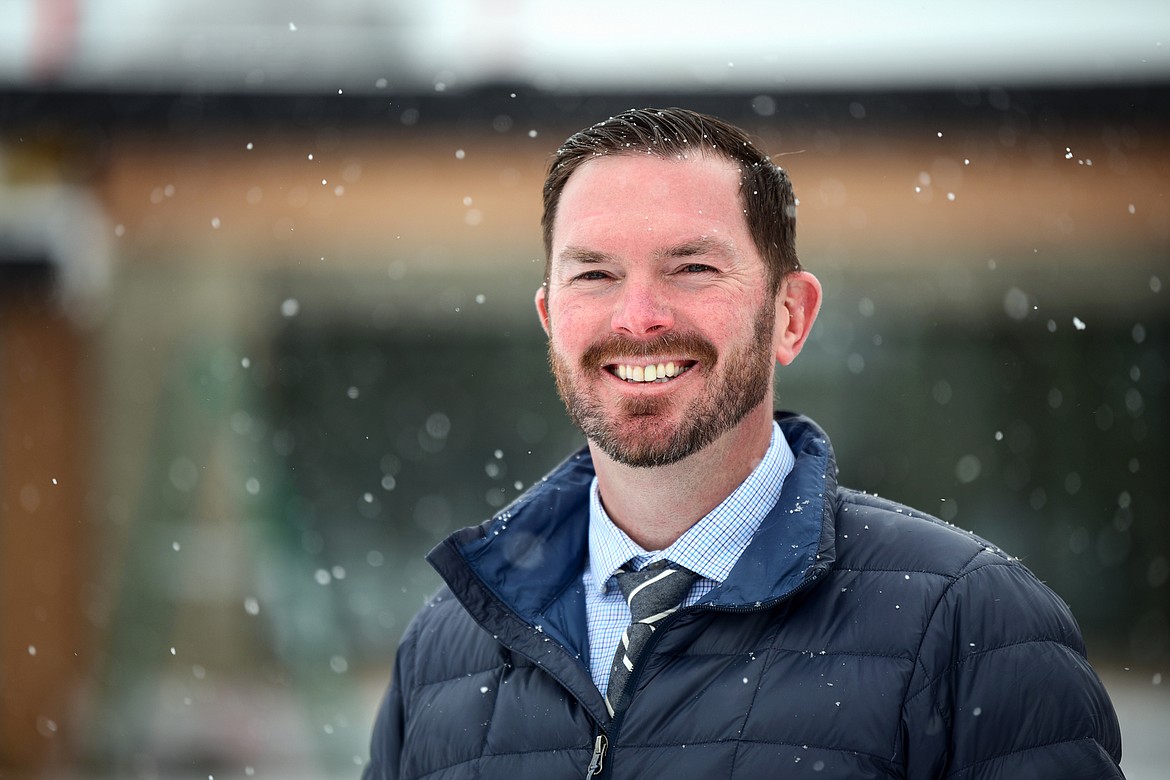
x=768 y=203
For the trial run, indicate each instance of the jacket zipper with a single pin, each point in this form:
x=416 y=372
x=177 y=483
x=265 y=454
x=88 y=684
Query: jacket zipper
x=597 y=762
x=601 y=743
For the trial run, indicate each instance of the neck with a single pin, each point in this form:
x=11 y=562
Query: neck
x=655 y=506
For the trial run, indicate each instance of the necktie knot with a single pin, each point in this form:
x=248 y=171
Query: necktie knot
x=657 y=587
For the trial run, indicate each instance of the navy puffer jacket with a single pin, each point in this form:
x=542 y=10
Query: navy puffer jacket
x=855 y=638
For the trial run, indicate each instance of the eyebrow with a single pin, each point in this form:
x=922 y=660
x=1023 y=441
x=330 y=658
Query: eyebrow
x=692 y=248
x=698 y=246
x=574 y=254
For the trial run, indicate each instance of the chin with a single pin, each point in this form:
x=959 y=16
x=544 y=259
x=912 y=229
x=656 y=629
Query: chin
x=649 y=441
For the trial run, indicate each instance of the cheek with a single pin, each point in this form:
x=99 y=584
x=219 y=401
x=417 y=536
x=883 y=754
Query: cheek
x=735 y=330
x=570 y=323
x=720 y=323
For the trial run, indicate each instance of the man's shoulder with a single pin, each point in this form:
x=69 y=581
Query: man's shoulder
x=877 y=533
x=439 y=614
x=960 y=577
x=442 y=640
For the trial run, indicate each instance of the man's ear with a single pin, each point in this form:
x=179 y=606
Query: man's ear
x=542 y=307
x=797 y=302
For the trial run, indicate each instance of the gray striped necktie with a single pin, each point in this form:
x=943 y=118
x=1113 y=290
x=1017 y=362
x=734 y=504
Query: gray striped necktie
x=652 y=593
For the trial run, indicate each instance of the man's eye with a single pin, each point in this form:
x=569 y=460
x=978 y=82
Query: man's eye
x=696 y=268
x=591 y=276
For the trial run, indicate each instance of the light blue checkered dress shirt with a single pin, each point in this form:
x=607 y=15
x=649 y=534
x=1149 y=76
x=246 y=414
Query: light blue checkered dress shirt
x=709 y=548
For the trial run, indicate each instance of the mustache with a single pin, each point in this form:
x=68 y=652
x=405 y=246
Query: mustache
x=690 y=345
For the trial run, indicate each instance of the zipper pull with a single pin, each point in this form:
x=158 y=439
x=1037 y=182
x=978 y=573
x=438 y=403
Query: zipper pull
x=599 y=746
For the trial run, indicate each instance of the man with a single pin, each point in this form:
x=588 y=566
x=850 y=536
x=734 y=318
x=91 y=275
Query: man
x=783 y=626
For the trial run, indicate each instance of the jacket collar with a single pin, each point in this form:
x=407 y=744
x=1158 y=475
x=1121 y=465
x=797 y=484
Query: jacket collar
x=531 y=554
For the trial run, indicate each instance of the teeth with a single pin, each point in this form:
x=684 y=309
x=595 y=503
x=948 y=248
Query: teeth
x=655 y=372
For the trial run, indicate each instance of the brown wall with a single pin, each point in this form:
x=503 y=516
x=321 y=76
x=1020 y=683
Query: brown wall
x=43 y=523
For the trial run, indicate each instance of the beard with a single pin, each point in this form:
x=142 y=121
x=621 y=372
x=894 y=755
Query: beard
x=635 y=432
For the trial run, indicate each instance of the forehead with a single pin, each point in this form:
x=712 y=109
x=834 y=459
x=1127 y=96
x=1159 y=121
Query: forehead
x=626 y=195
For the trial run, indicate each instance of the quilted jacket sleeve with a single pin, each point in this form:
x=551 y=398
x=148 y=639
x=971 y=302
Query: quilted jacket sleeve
x=1002 y=688
x=386 y=741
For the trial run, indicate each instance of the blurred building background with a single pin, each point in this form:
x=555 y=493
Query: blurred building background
x=266 y=326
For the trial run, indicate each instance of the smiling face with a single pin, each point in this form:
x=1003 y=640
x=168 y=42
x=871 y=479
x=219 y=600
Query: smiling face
x=658 y=309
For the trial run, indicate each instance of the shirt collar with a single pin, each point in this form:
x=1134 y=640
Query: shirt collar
x=712 y=545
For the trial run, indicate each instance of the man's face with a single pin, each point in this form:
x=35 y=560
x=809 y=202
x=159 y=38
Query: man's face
x=658 y=309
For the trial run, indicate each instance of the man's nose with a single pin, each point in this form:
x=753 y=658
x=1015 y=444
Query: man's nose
x=642 y=309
